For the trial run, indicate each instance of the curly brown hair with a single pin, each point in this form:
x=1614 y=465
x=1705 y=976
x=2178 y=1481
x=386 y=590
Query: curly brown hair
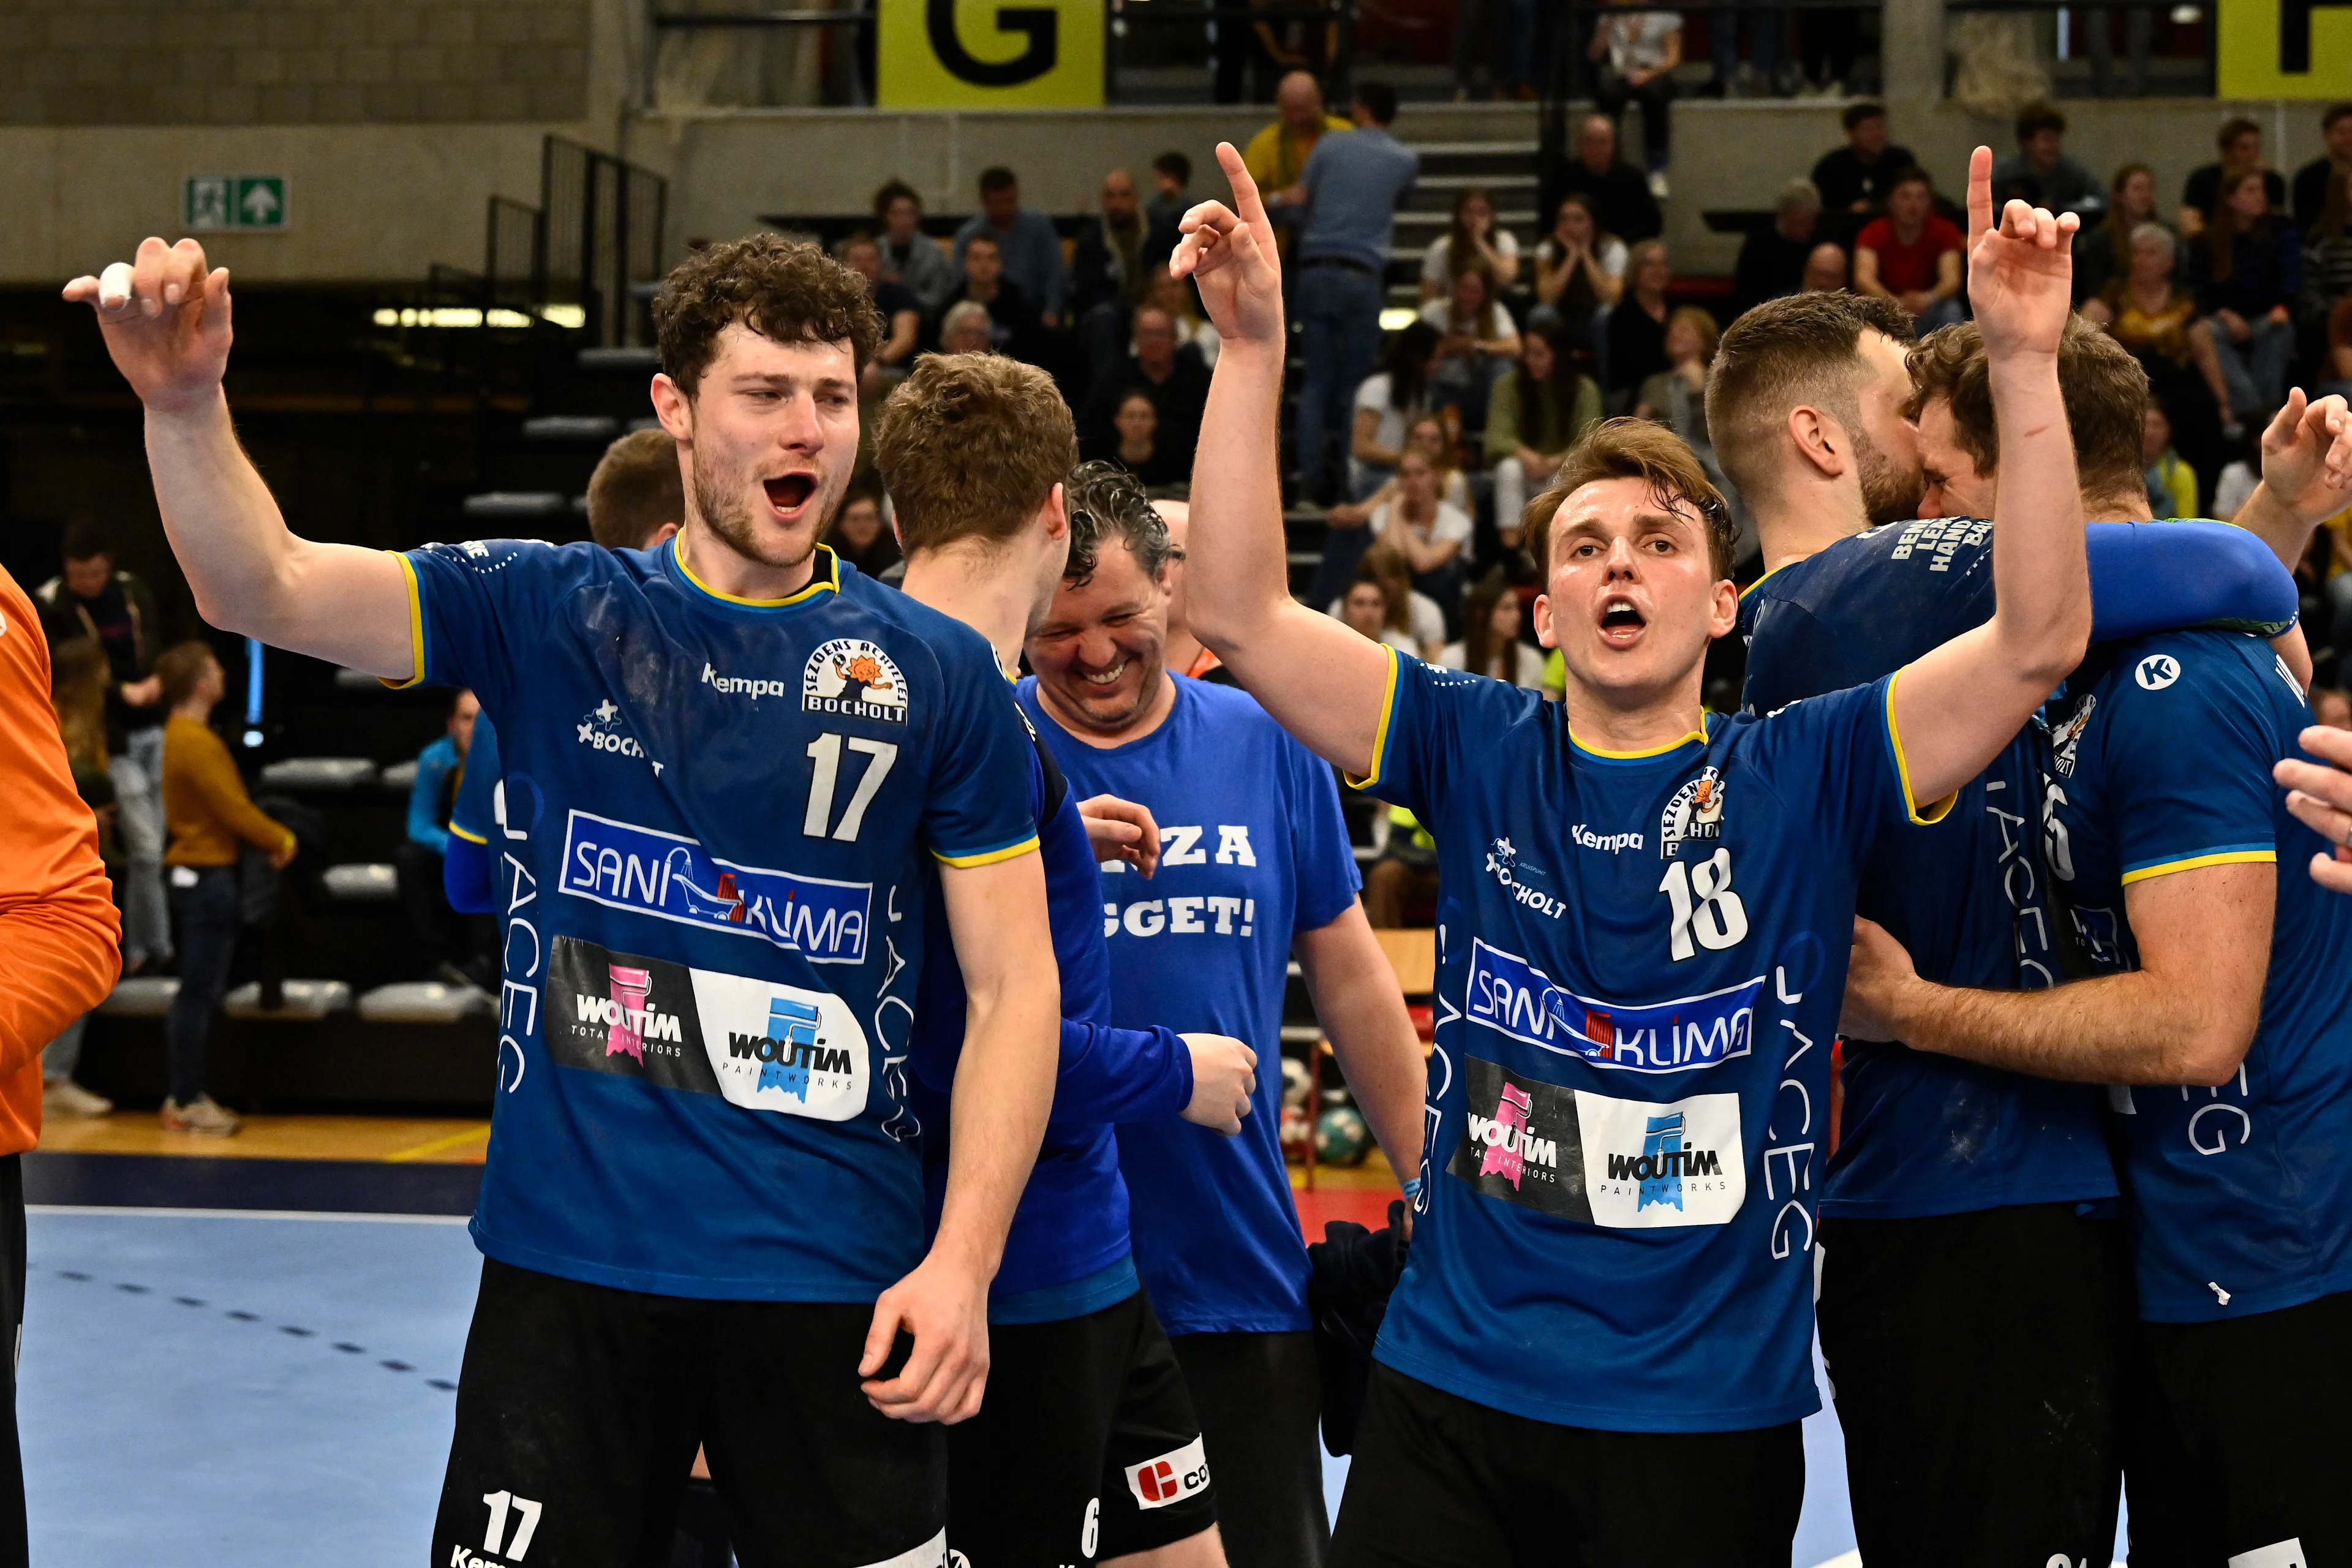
x=970 y=445
x=786 y=290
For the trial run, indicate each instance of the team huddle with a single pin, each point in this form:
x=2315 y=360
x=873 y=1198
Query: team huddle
x=804 y=1156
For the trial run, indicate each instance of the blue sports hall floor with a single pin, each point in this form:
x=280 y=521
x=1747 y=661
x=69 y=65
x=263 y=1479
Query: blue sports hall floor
x=253 y=1359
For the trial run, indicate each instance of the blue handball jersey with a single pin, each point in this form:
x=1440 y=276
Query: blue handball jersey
x=2239 y=1196
x=718 y=818
x=1640 y=963
x=1252 y=851
x=474 y=815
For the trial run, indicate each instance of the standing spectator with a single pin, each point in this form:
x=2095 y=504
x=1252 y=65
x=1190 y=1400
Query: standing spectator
x=452 y=950
x=2041 y=174
x=1859 y=176
x=210 y=815
x=1619 y=195
x=2244 y=269
x=1478 y=338
x=1636 y=338
x=902 y=318
x=909 y=259
x=1472 y=237
x=2322 y=179
x=2103 y=249
x=1772 y=257
x=1171 y=198
x=1431 y=537
x=1174 y=380
x=1110 y=267
x=57 y=960
x=1638 y=53
x=1579 y=268
x=1913 y=255
x=2240 y=141
x=1016 y=327
x=1761 y=72
x=1027 y=241
x=1387 y=403
x=90 y=598
x=1136 y=447
x=1510 y=28
x=78 y=682
x=1826 y=40
x=2171 y=482
x=1490 y=645
x=1826 y=270
x=1276 y=156
x=1349 y=193
x=860 y=537
x=1539 y=411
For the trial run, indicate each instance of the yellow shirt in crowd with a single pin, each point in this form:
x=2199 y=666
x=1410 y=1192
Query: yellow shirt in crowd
x=205 y=801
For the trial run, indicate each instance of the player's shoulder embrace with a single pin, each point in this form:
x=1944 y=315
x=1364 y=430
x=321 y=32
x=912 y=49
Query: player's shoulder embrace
x=2163 y=669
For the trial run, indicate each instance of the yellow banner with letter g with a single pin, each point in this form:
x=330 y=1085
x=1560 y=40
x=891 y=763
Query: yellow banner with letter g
x=990 y=54
x=2283 y=48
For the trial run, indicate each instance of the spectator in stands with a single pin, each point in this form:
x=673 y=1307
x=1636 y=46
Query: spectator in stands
x=1427 y=436
x=1676 y=397
x=2240 y=141
x=1194 y=329
x=2327 y=252
x=2337 y=366
x=910 y=258
x=92 y=598
x=2041 y=174
x=2331 y=558
x=902 y=318
x=58 y=931
x=1491 y=645
x=1618 y=192
x=1912 y=255
x=1137 y=448
x=1172 y=378
x=636 y=498
x=2171 y=482
x=1471 y=237
x=2322 y=180
x=2155 y=318
x=1636 y=337
x=1826 y=270
x=1638 y=52
x=1761 y=72
x=210 y=815
x=1539 y=411
x=1409 y=621
x=2244 y=268
x=1477 y=340
x=1859 y=176
x=1349 y=193
x=1366 y=609
x=1016 y=328
x=1171 y=198
x=1579 y=270
x=1110 y=267
x=1405 y=878
x=967 y=329
x=860 y=537
x=1027 y=242
x=450 y=945
x=1386 y=404
x=79 y=679
x=2103 y=249
x=1772 y=257
x=1431 y=538
x=1510 y=28
x=1276 y=156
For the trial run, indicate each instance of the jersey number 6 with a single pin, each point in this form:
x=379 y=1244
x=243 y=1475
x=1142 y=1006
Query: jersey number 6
x=1704 y=906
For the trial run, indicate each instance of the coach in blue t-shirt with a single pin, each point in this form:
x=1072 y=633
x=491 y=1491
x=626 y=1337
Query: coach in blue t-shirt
x=1253 y=865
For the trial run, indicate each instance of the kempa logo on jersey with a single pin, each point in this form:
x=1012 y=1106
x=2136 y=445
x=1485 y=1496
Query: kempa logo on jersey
x=1172 y=1478
x=854 y=677
x=742 y=686
x=1607 y=843
x=1626 y=1164
x=757 y=1044
x=1510 y=995
x=670 y=876
x=1695 y=812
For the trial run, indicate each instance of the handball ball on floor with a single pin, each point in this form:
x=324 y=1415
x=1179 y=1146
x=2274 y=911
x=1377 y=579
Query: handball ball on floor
x=1298 y=1133
x=1341 y=1138
x=1297 y=1082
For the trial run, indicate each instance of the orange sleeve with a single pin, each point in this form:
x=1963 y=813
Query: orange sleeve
x=214 y=772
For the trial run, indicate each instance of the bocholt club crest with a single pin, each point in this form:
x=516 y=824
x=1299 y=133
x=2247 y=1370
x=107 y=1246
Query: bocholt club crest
x=1695 y=812
x=854 y=677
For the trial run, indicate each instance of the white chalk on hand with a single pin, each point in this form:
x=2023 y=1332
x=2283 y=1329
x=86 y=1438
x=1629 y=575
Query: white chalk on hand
x=114 y=285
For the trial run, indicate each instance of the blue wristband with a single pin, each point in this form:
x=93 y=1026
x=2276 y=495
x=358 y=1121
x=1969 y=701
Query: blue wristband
x=1411 y=1188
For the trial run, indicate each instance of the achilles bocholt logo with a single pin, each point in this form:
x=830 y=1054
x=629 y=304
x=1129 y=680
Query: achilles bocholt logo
x=1695 y=812
x=854 y=677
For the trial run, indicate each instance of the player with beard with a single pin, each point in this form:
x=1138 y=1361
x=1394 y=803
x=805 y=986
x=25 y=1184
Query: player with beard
x=1253 y=866
x=1087 y=1448
x=1972 y=1277
x=1600 y=1347
x=729 y=766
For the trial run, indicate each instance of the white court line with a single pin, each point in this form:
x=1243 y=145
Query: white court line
x=252 y=1213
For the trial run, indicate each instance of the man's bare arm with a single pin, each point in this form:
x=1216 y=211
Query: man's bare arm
x=166 y=321
x=1371 y=1035
x=2186 y=1016
x=1321 y=681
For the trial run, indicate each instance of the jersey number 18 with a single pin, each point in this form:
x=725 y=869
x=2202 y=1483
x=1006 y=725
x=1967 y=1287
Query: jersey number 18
x=1702 y=906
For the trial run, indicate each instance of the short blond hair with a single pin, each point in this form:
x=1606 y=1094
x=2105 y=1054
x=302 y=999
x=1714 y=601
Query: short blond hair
x=1635 y=450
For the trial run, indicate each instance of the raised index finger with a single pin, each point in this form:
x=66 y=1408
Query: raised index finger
x=1245 y=196
x=1981 y=212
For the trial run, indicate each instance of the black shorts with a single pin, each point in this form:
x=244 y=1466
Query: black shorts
x=2236 y=1450
x=1086 y=1447
x=579 y=1406
x=1439 y=1481
x=1260 y=1397
x=1975 y=1359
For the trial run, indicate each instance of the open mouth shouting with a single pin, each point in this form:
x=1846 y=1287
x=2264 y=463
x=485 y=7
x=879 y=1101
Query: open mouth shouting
x=1622 y=621
x=789 y=496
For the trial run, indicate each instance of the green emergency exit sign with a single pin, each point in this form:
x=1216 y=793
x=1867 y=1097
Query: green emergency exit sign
x=255 y=203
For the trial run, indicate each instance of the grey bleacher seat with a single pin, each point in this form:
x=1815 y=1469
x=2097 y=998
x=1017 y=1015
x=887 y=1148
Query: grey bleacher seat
x=304 y=999
x=141 y=996
x=363 y=884
x=571 y=428
x=400 y=777
x=513 y=505
x=319 y=772
x=643 y=359
x=422 y=1001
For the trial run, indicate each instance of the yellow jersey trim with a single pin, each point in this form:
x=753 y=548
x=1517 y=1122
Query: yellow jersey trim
x=828 y=580
x=416 y=625
x=987 y=856
x=457 y=832
x=1699 y=735
x=1935 y=811
x=1380 y=733
x=2198 y=862
x=1764 y=579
